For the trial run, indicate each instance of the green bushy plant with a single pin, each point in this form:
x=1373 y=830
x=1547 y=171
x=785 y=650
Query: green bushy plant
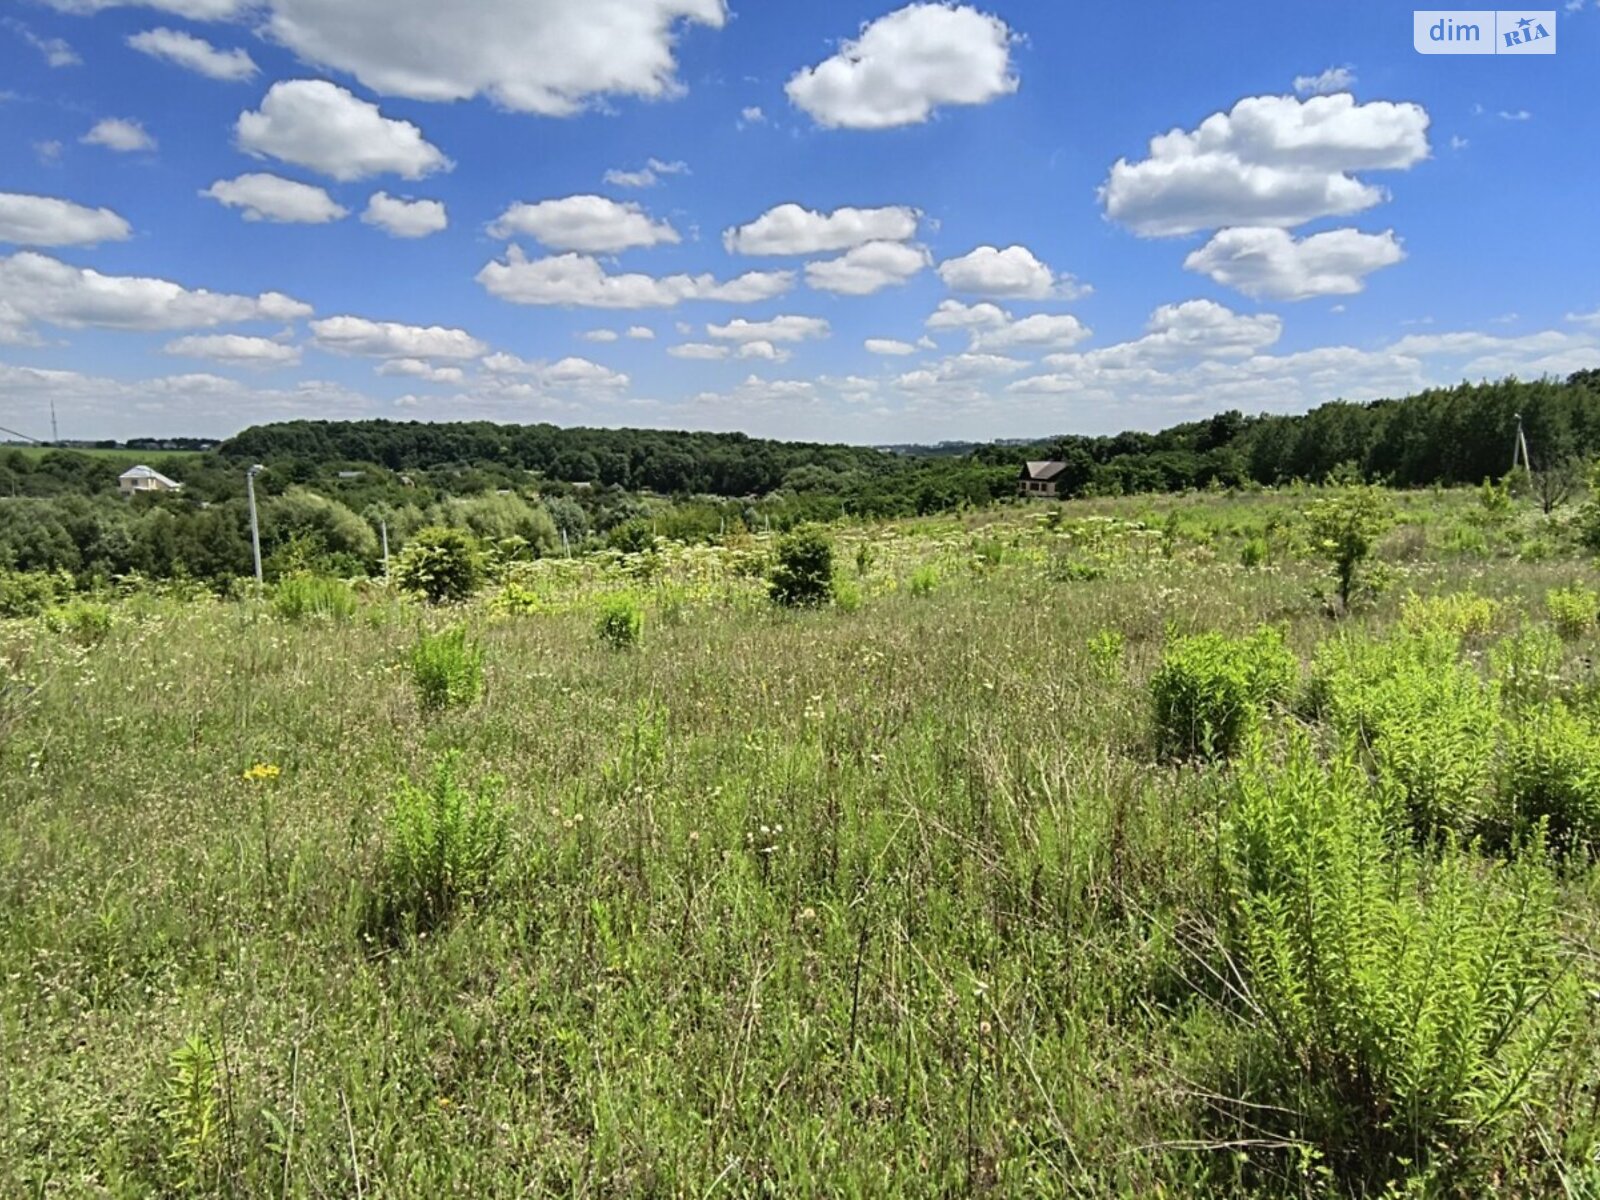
x=847 y=595
x=1211 y=690
x=1460 y=614
x=313 y=597
x=621 y=621
x=440 y=565
x=86 y=622
x=1106 y=650
x=1400 y=1008
x=1551 y=773
x=1253 y=553
x=1526 y=666
x=923 y=582
x=447 y=670
x=802 y=576
x=1427 y=718
x=29 y=593
x=1573 y=610
x=1344 y=528
x=445 y=845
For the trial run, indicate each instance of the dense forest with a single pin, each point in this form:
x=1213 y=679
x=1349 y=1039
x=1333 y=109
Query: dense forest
x=331 y=487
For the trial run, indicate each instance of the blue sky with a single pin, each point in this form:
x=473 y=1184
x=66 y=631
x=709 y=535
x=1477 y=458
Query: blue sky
x=863 y=222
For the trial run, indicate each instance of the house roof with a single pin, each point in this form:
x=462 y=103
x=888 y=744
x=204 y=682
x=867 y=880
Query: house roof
x=143 y=472
x=1043 y=472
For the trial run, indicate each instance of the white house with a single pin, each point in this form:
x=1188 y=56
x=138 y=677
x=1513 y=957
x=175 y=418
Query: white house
x=137 y=480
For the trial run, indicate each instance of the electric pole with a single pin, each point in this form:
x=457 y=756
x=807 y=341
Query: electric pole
x=255 y=527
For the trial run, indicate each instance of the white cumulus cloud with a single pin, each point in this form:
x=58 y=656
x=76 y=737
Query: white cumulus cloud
x=1271 y=160
x=195 y=54
x=867 y=268
x=791 y=229
x=37 y=287
x=235 y=350
x=778 y=329
x=319 y=125
x=119 y=134
x=1010 y=273
x=27 y=220
x=587 y=224
x=263 y=197
x=390 y=339
x=907 y=64
x=541 y=56
x=1269 y=262
x=889 y=346
x=580 y=281
x=1324 y=83
x=405 y=218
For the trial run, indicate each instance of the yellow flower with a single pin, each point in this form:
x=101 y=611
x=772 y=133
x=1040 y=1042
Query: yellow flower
x=262 y=772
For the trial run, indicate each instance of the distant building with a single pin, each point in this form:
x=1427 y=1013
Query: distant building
x=140 y=480
x=1041 y=479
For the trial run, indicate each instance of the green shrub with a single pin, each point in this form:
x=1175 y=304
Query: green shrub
x=632 y=537
x=1573 y=610
x=1527 y=666
x=621 y=622
x=313 y=597
x=802 y=577
x=29 y=593
x=1253 y=553
x=1551 y=773
x=1106 y=649
x=865 y=557
x=1069 y=568
x=1211 y=690
x=440 y=565
x=444 y=847
x=847 y=595
x=447 y=670
x=1460 y=614
x=1344 y=528
x=923 y=581
x=1399 y=1009
x=85 y=622
x=1427 y=718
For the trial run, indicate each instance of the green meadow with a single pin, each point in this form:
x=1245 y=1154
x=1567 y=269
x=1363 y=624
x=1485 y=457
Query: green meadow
x=1095 y=849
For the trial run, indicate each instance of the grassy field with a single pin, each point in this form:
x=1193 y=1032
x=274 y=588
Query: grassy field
x=898 y=898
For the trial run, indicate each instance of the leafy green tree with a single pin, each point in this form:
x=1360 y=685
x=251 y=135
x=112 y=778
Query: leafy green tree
x=1344 y=527
x=803 y=574
x=440 y=564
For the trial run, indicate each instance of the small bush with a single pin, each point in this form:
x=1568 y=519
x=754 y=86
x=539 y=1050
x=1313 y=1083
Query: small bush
x=1527 y=665
x=924 y=580
x=440 y=565
x=1427 y=718
x=1344 y=527
x=1461 y=614
x=621 y=622
x=847 y=595
x=1211 y=690
x=1253 y=553
x=1106 y=649
x=85 y=622
x=1573 y=610
x=313 y=597
x=802 y=577
x=865 y=557
x=444 y=848
x=1551 y=773
x=1393 y=1001
x=447 y=670
x=1068 y=568
x=29 y=593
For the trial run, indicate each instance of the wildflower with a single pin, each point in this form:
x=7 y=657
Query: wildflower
x=262 y=773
